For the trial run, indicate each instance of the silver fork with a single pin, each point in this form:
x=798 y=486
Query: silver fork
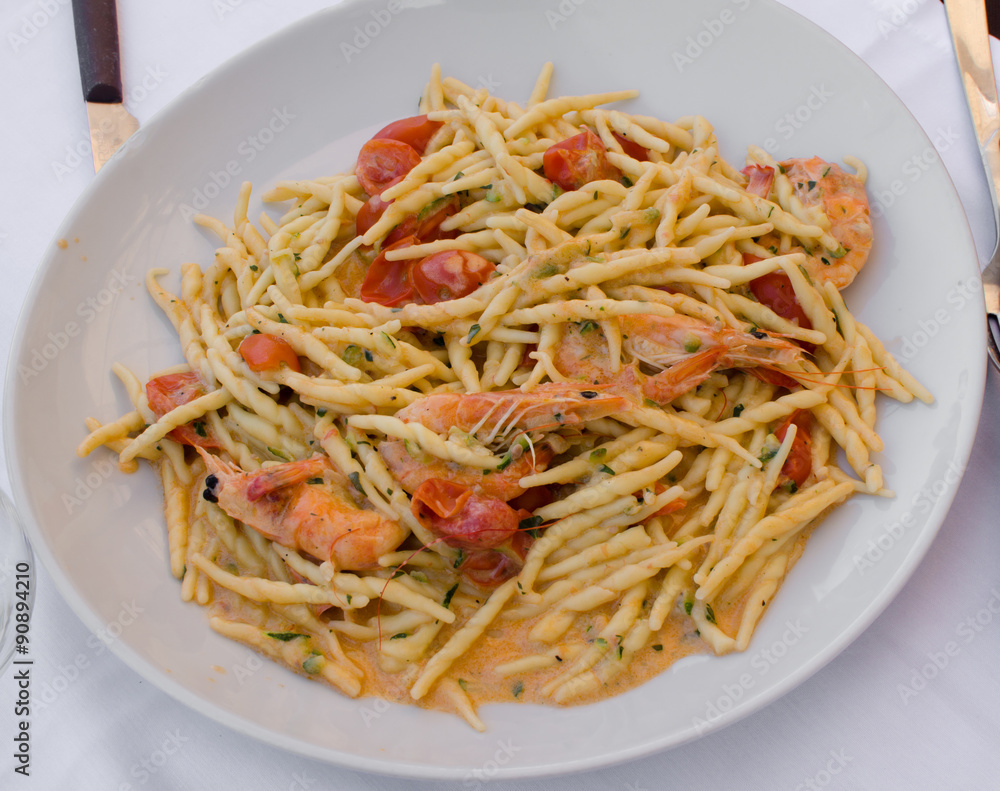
x=967 y=20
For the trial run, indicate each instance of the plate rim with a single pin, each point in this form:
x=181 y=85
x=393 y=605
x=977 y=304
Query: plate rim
x=972 y=408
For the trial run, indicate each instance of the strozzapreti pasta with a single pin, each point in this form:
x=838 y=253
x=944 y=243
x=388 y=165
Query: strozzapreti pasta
x=529 y=404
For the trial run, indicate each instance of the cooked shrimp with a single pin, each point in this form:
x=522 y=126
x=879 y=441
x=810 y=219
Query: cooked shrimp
x=411 y=470
x=842 y=205
x=306 y=505
x=685 y=350
x=493 y=415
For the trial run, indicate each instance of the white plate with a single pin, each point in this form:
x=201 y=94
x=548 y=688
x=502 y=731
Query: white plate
x=299 y=105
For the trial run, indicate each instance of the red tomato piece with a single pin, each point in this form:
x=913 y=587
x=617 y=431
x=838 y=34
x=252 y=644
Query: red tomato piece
x=798 y=465
x=487 y=568
x=760 y=178
x=166 y=393
x=463 y=518
x=631 y=148
x=776 y=378
x=382 y=162
x=775 y=291
x=426 y=226
x=534 y=498
x=268 y=352
x=388 y=282
x=370 y=213
x=450 y=274
x=578 y=160
x=416 y=132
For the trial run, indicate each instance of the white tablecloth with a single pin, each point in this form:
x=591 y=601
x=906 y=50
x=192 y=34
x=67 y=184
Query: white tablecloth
x=880 y=716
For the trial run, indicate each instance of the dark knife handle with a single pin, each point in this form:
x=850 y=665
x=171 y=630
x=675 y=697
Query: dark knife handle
x=96 y=23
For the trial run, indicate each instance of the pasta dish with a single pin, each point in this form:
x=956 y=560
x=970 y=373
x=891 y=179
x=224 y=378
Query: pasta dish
x=527 y=405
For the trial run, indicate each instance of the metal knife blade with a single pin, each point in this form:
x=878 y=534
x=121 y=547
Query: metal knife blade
x=969 y=32
x=96 y=23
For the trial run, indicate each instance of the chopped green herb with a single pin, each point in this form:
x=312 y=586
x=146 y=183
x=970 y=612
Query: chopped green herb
x=458 y=559
x=587 y=326
x=607 y=469
x=458 y=176
x=356 y=480
x=598 y=453
x=691 y=345
x=462 y=683
x=657 y=647
x=388 y=338
x=285 y=636
x=320 y=412
x=811 y=185
x=278 y=453
x=446 y=601
x=840 y=252
x=626 y=181
x=473 y=332
x=625 y=231
x=518 y=689
x=353 y=355
x=314 y=481
x=199 y=428
x=399 y=636
x=600 y=641
x=313 y=664
x=282 y=319
x=530 y=522
x=688 y=605
x=254 y=267
x=738 y=410
x=709 y=613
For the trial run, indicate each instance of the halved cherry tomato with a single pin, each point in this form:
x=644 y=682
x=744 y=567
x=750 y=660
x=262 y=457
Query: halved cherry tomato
x=760 y=178
x=426 y=226
x=268 y=352
x=416 y=131
x=631 y=148
x=171 y=391
x=381 y=162
x=578 y=160
x=370 y=213
x=488 y=568
x=388 y=282
x=450 y=274
x=798 y=465
x=534 y=498
x=775 y=291
x=462 y=517
x=442 y=497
